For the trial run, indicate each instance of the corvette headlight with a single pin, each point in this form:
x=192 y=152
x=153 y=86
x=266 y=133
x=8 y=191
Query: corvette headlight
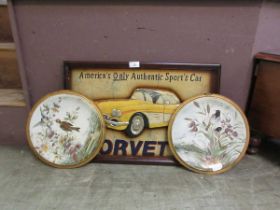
x=116 y=113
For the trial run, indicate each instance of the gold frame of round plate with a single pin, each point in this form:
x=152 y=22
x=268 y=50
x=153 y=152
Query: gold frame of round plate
x=182 y=162
x=90 y=103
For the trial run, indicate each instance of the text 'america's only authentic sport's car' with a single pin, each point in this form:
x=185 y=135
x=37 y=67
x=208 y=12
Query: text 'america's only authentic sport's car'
x=146 y=108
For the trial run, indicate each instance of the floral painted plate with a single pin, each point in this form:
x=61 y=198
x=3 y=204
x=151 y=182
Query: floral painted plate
x=65 y=129
x=208 y=134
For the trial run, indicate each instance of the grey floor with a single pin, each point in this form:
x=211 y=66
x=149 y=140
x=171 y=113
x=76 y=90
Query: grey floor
x=26 y=183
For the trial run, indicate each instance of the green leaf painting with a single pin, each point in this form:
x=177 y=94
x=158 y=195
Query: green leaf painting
x=214 y=135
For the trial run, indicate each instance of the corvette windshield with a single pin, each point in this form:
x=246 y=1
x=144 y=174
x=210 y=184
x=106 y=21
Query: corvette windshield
x=155 y=96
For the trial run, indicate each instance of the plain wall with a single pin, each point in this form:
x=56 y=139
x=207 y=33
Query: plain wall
x=268 y=31
x=150 y=31
x=225 y=32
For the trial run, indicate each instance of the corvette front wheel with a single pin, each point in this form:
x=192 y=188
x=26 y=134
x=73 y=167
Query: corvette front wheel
x=136 y=125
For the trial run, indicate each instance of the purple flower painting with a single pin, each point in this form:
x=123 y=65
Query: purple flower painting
x=209 y=133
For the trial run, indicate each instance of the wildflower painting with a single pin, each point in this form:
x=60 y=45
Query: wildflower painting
x=65 y=129
x=209 y=134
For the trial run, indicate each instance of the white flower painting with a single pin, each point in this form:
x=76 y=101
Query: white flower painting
x=65 y=129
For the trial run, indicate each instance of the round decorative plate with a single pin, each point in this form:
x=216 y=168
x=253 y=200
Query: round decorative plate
x=65 y=129
x=208 y=134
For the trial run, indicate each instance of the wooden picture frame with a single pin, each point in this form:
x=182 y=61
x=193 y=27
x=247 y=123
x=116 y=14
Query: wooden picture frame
x=111 y=81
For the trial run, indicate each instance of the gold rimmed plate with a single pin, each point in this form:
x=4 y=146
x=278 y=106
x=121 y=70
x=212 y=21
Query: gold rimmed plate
x=65 y=129
x=208 y=134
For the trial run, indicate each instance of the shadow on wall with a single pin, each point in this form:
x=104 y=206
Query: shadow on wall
x=270 y=150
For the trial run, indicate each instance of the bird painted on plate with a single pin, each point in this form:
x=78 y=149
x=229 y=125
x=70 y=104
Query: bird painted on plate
x=55 y=107
x=66 y=126
x=216 y=115
x=214 y=118
x=218 y=129
x=45 y=121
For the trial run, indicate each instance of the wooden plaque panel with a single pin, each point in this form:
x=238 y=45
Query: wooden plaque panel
x=113 y=84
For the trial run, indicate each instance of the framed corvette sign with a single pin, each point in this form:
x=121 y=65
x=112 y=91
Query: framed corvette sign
x=137 y=101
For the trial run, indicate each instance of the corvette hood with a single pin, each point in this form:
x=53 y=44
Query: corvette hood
x=106 y=106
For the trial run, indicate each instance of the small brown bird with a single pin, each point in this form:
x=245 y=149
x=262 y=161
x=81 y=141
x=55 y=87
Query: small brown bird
x=66 y=126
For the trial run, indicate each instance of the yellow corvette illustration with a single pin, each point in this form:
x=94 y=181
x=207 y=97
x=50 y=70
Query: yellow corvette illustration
x=146 y=108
